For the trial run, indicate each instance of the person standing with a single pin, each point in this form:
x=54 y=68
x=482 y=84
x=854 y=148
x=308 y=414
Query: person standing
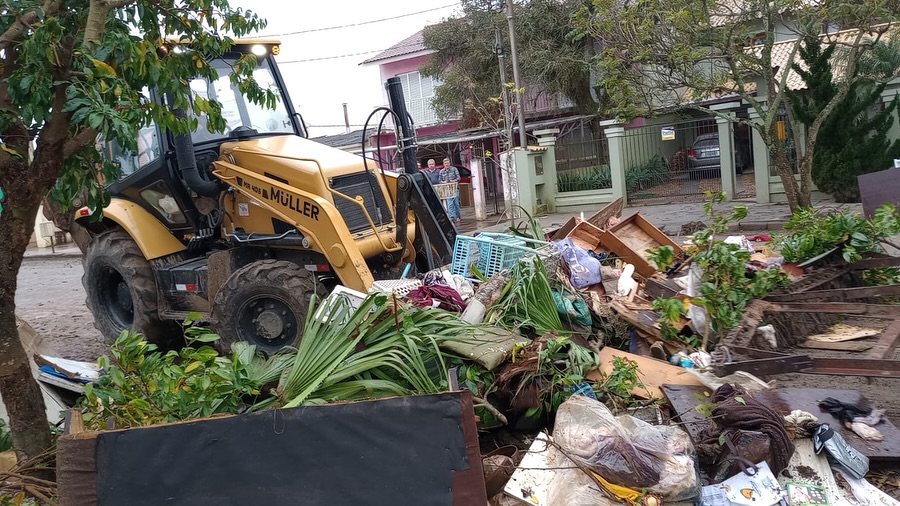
x=432 y=172
x=449 y=174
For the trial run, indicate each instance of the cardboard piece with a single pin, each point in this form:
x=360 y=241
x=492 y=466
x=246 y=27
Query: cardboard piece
x=651 y=372
x=841 y=332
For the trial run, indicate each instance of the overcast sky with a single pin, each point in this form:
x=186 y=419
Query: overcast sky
x=319 y=87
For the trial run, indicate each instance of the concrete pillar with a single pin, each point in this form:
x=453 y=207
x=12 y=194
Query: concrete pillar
x=760 y=161
x=726 y=155
x=615 y=137
x=475 y=165
x=525 y=185
x=549 y=189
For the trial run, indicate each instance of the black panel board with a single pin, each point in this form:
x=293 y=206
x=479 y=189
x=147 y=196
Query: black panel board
x=394 y=451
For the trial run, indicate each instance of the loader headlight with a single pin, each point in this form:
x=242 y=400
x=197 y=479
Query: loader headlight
x=258 y=50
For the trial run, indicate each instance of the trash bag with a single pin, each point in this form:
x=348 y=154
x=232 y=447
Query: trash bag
x=571 y=308
x=584 y=270
x=627 y=451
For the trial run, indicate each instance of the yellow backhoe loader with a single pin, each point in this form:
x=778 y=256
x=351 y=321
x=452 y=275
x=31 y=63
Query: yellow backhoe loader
x=244 y=226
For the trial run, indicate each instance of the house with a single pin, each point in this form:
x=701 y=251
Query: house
x=443 y=137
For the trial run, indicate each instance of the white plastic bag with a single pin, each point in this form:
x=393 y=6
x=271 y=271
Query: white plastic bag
x=627 y=451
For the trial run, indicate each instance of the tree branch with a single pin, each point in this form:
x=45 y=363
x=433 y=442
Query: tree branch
x=78 y=141
x=15 y=30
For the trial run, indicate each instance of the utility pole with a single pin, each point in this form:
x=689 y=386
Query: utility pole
x=523 y=137
x=504 y=90
x=346 y=118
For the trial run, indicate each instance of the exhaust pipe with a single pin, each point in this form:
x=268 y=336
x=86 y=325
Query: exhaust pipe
x=187 y=162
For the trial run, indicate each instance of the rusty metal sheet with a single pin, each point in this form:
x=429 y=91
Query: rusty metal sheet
x=768 y=366
x=684 y=400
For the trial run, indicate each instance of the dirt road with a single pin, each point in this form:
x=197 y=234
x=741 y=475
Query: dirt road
x=50 y=298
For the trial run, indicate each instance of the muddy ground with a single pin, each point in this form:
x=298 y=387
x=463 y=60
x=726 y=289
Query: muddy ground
x=51 y=299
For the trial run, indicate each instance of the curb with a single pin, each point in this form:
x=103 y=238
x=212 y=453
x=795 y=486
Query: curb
x=61 y=254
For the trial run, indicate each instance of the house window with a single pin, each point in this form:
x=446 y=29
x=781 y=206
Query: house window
x=418 y=90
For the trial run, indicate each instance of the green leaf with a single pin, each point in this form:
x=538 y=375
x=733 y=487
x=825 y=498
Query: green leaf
x=740 y=400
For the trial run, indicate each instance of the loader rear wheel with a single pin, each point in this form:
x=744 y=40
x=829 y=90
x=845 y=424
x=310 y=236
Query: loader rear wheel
x=264 y=303
x=121 y=290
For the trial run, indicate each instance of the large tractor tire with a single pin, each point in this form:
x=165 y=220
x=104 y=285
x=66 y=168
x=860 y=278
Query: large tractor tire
x=264 y=303
x=121 y=290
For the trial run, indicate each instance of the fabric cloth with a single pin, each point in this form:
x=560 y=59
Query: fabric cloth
x=441 y=296
x=734 y=409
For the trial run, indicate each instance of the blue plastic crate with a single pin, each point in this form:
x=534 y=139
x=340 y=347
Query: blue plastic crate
x=490 y=253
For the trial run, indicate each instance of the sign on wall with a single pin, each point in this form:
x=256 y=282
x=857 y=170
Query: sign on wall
x=668 y=133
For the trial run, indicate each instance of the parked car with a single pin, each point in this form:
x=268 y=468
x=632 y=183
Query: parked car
x=704 y=160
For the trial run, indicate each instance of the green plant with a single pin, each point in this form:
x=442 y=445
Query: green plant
x=663 y=257
x=5 y=443
x=19 y=499
x=726 y=285
x=562 y=365
x=622 y=381
x=527 y=301
x=480 y=382
x=141 y=386
x=584 y=179
x=810 y=233
x=650 y=173
x=383 y=348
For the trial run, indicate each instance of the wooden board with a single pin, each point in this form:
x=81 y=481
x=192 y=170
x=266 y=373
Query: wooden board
x=630 y=240
x=887 y=342
x=836 y=346
x=651 y=372
x=841 y=332
x=601 y=217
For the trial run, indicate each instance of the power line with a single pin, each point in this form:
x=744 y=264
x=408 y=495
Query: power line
x=360 y=23
x=330 y=57
x=397 y=47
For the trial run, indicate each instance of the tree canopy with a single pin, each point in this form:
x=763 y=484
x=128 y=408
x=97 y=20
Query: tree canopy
x=553 y=57
x=73 y=70
x=657 y=55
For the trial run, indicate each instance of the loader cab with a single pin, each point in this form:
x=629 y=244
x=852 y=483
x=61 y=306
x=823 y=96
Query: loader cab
x=152 y=178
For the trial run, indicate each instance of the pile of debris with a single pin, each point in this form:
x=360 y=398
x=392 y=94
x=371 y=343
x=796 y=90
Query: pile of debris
x=623 y=365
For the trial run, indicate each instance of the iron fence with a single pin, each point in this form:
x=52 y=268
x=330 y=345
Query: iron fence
x=583 y=165
x=672 y=162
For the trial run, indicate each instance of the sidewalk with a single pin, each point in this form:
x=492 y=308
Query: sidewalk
x=669 y=218
x=68 y=250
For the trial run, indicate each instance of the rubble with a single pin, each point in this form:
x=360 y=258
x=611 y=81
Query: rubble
x=679 y=406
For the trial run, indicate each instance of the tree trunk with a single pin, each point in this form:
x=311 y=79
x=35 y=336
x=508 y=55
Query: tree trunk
x=21 y=394
x=804 y=196
x=786 y=173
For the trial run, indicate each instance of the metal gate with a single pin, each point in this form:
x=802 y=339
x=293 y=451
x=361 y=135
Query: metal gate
x=493 y=182
x=672 y=162
x=583 y=165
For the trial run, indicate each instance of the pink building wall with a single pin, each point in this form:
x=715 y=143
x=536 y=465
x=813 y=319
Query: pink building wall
x=396 y=68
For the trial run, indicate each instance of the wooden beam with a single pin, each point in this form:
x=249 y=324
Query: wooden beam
x=838 y=346
x=887 y=342
x=839 y=294
x=874 y=263
x=856 y=367
x=877 y=310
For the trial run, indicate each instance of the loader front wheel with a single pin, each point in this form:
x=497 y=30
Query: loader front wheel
x=264 y=303
x=121 y=290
